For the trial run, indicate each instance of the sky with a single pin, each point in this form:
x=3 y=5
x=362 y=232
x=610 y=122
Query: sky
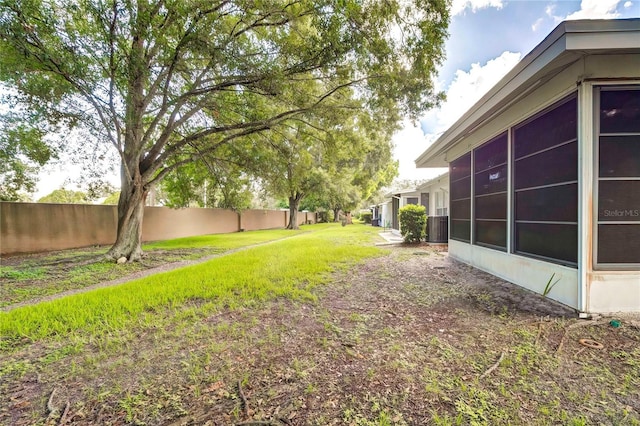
x=486 y=40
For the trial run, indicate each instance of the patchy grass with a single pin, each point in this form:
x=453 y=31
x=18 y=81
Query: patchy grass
x=287 y=268
x=23 y=278
x=398 y=339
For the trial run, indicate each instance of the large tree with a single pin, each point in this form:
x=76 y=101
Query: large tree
x=165 y=82
x=291 y=164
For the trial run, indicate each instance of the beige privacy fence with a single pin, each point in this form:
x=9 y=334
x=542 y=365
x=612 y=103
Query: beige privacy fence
x=36 y=227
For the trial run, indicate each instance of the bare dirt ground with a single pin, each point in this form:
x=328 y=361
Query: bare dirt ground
x=407 y=338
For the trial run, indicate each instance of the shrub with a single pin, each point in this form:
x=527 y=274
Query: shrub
x=413 y=220
x=323 y=217
x=366 y=217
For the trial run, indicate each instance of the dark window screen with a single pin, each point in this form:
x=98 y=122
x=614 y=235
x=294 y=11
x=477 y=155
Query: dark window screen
x=549 y=129
x=412 y=200
x=619 y=156
x=548 y=167
x=460 y=189
x=490 y=195
x=618 y=243
x=618 y=230
x=491 y=233
x=619 y=200
x=548 y=204
x=620 y=111
x=460 y=230
x=492 y=206
x=491 y=181
x=545 y=171
x=552 y=241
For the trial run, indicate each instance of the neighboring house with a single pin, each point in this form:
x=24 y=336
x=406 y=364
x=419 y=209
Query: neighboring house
x=545 y=170
x=394 y=201
x=433 y=195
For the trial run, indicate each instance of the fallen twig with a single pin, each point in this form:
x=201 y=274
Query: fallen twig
x=63 y=418
x=50 y=406
x=494 y=366
x=539 y=333
x=245 y=404
x=579 y=352
x=257 y=423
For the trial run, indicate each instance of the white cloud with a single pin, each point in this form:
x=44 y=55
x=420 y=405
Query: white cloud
x=596 y=9
x=536 y=25
x=459 y=6
x=468 y=87
x=628 y=4
x=465 y=90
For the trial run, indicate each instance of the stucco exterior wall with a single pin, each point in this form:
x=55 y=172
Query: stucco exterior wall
x=251 y=220
x=162 y=223
x=37 y=227
x=526 y=272
x=34 y=227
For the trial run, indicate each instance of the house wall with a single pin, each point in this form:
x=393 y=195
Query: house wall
x=385 y=214
x=526 y=272
x=435 y=188
x=583 y=288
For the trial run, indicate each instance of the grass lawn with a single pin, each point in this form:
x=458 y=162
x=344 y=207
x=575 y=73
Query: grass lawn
x=23 y=278
x=320 y=329
x=289 y=268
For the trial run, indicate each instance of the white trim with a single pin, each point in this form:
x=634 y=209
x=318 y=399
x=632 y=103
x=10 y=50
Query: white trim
x=595 y=85
x=511 y=226
x=586 y=192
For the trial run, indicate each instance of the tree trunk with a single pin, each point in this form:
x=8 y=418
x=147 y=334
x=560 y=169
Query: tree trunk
x=130 y=215
x=294 y=202
x=336 y=214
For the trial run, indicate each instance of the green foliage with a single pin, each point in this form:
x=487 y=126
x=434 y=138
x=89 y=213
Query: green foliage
x=550 y=285
x=167 y=83
x=413 y=219
x=112 y=198
x=65 y=196
x=43 y=276
x=209 y=182
x=221 y=241
x=22 y=150
x=366 y=217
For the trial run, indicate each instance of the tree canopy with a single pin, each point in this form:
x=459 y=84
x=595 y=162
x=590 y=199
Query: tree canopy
x=167 y=82
x=65 y=196
x=22 y=151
